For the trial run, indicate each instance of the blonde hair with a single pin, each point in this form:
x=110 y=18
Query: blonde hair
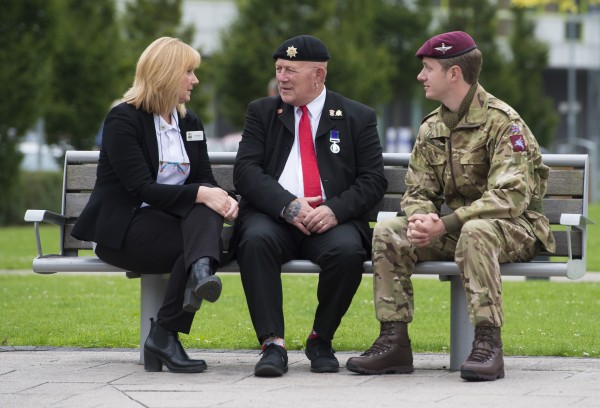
x=158 y=74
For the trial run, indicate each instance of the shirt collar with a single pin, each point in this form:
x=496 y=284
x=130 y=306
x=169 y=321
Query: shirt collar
x=315 y=107
x=164 y=125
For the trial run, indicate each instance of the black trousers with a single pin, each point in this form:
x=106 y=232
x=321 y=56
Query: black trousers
x=157 y=243
x=264 y=244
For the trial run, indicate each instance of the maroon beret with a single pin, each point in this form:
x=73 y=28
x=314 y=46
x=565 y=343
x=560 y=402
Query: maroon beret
x=447 y=45
x=302 y=48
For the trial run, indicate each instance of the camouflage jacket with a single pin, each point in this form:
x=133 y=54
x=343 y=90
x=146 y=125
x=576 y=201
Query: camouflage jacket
x=489 y=166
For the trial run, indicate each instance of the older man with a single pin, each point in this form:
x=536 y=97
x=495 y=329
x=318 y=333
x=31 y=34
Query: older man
x=308 y=168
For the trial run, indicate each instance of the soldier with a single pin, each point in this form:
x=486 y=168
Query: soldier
x=475 y=154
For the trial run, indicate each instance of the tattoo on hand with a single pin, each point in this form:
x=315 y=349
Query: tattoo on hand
x=291 y=211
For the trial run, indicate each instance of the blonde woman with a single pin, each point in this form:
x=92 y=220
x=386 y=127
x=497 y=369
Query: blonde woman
x=156 y=207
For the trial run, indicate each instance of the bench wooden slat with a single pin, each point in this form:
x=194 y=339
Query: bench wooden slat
x=561 y=182
x=75 y=203
x=566 y=182
x=553 y=207
x=562 y=248
x=80 y=177
x=224 y=176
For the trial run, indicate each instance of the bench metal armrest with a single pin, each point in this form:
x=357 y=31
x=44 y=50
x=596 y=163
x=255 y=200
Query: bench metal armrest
x=571 y=221
x=578 y=221
x=38 y=216
x=576 y=267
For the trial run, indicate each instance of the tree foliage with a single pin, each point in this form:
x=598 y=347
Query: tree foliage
x=530 y=57
x=402 y=27
x=570 y=6
x=146 y=20
x=94 y=58
x=512 y=67
x=85 y=71
x=360 y=66
x=65 y=61
x=25 y=31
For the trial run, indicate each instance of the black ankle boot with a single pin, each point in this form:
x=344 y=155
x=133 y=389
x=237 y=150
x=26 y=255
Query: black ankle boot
x=163 y=346
x=202 y=284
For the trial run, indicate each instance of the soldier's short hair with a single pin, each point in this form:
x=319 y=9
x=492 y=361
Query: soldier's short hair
x=469 y=63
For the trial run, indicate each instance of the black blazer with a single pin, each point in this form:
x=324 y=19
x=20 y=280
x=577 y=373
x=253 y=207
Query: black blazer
x=127 y=171
x=353 y=178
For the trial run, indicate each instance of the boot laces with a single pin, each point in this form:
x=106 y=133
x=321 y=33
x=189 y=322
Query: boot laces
x=483 y=345
x=382 y=344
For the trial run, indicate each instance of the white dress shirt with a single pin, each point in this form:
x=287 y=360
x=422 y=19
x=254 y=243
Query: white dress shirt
x=291 y=178
x=174 y=163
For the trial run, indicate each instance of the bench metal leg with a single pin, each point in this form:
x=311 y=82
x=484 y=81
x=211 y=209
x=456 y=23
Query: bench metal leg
x=462 y=331
x=152 y=292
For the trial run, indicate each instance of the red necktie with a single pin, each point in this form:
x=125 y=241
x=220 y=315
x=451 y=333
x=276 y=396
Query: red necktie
x=310 y=169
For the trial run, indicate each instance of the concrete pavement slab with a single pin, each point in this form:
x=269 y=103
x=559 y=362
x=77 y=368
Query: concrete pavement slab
x=65 y=377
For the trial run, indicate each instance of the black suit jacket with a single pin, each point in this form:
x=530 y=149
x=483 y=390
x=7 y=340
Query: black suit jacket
x=353 y=178
x=127 y=171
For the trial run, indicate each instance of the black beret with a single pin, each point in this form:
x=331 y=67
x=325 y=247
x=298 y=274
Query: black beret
x=447 y=45
x=302 y=48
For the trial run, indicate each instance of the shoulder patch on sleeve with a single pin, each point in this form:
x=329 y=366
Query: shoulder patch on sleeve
x=516 y=139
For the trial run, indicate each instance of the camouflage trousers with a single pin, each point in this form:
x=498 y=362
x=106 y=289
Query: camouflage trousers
x=478 y=250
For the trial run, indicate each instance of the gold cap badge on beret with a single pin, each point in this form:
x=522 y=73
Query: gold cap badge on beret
x=291 y=51
x=302 y=48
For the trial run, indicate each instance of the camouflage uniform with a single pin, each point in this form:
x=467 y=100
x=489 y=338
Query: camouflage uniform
x=489 y=172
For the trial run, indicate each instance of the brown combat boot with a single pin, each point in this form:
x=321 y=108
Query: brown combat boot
x=485 y=362
x=390 y=354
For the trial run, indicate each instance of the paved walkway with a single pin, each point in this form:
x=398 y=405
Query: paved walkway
x=81 y=378
x=37 y=377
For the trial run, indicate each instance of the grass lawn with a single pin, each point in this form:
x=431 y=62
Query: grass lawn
x=542 y=317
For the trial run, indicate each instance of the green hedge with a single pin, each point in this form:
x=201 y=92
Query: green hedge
x=35 y=190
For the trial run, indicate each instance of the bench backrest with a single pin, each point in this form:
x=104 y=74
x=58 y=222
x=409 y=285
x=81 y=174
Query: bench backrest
x=567 y=191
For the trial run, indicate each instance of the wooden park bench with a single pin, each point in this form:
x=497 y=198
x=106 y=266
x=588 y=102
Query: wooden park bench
x=566 y=206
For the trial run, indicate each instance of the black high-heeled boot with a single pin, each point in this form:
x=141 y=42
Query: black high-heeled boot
x=163 y=347
x=202 y=284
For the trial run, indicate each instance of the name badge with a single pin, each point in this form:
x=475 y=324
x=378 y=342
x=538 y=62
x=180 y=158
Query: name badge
x=195 y=136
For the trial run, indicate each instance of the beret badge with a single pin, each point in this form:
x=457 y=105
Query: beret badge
x=302 y=48
x=291 y=51
x=443 y=48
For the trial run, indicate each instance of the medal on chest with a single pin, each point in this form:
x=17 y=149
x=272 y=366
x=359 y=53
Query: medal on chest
x=334 y=138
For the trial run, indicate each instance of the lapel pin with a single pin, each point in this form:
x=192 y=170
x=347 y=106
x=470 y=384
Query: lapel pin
x=335 y=113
